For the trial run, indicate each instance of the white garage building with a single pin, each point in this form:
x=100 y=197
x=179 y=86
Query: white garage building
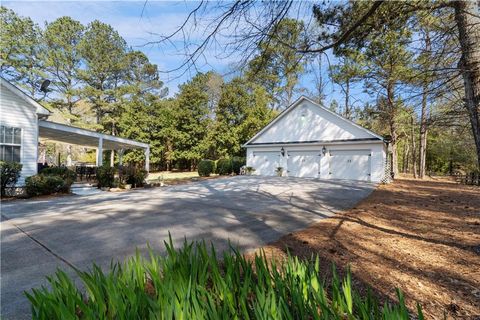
x=308 y=140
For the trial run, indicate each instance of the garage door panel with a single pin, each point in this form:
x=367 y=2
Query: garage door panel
x=303 y=164
x=265 y=163
x=350 y=164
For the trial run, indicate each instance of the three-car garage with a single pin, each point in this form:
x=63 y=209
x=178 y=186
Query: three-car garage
x=309 y=141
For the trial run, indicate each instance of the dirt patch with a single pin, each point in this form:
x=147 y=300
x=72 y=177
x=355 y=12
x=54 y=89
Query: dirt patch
x=420 y=236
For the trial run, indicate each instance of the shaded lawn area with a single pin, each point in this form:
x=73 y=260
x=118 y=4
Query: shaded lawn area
x=175 y=178
x=420 y=236
x=171 y=175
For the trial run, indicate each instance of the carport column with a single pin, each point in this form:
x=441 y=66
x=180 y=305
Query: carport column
x=147 y=159
x=120 y=156
x=100 y=152
x=112 y=158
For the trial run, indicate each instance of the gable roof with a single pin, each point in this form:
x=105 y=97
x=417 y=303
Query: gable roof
x=295 y=104
x=22 y=95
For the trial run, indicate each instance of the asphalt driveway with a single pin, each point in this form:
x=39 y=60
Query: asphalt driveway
x=37 y=236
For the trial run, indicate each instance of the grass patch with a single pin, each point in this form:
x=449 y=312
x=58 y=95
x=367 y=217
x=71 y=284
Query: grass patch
x=191 y=283
x=171 y=175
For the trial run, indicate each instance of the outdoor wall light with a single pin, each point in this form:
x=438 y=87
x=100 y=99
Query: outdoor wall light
x=324 y=150
x=282 y=152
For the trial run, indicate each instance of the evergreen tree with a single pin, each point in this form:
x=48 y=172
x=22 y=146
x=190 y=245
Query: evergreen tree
x=348 y=71
x=62 y=60
x=151 y=121
x=20 y=51
x=243 y=109
x=277 y=67
x=388 y=67
x=103 y=50
x=142 y=76
x=191 y=112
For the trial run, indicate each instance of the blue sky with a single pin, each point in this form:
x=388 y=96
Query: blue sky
x=159 y=17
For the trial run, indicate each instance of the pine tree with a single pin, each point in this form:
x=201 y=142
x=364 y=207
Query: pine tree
x=62 y=61
x=103 y=50
x=20 y=51
x=243 y=110
x=191 y=112
x=277 y=67
x=388 y=66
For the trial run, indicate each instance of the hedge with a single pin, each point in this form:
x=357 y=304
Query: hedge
x=237 y=164
x=105 y=176
x=206 y=168
x=224 y=166
x=134 y=176
x=63 y=172
x=43 y=184
x=9 y=174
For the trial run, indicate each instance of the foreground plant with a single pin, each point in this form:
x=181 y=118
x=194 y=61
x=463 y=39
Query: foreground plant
x=191 y=283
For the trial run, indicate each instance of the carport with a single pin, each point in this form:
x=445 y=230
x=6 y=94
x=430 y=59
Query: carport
x=52 y=131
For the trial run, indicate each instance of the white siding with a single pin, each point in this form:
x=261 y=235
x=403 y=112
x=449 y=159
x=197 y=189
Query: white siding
x=16 y=112
x=377 y=160
x=308 y=122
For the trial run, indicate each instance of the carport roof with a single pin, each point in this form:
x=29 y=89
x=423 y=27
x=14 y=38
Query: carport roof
x=53 y=131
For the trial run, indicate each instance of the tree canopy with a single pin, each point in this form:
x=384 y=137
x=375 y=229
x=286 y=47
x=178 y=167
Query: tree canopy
x=409 y=58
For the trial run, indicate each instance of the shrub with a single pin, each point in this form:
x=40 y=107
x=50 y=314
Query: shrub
x=237 y=164
x=190 y=283
x=135 y=176
x=42 y=184
x=206 y=168
x=50 y=180
x=224 y=166
x=105 y=176
x=279 y=171
x=63 y=172
x=9 y=174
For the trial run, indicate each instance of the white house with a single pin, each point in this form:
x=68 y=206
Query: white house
x=308 y=140
x=23 y=123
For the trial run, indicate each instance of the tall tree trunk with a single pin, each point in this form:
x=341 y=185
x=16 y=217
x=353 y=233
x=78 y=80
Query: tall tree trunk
x=467 y=18
x=414 y=150
x=424 y=117
x=391 y=116
x=347 y=98
x=69 y=121
x=320 y=80
x=423 y=133
x=406 y=151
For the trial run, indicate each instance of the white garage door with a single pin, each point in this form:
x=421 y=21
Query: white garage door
x=265 y=163
x=350 y=164
x=303 y=164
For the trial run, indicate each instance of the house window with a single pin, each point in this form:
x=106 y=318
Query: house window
x=10 y=144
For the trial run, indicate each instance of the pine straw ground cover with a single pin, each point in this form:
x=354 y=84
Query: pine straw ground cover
x=420 y=236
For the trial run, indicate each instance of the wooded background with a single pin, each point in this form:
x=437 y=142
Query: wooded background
x=421 y=80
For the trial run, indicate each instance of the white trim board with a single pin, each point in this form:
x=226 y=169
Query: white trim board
x=320 y=144
x=76 y=132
